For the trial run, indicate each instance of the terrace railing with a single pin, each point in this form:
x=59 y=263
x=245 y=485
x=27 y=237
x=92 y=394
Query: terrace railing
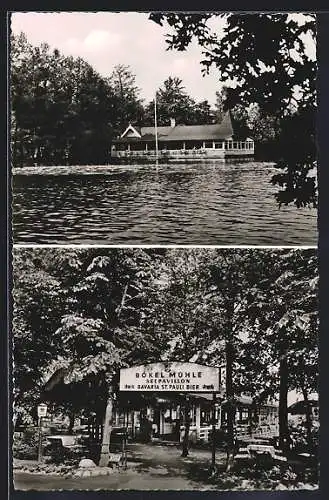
x=240 y=148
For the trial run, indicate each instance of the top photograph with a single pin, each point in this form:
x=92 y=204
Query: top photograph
x=163 y=128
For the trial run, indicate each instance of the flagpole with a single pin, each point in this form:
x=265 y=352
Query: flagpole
x=156 y=130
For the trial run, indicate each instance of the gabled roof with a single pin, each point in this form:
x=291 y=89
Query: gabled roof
x=216 y=131
x=134 y=132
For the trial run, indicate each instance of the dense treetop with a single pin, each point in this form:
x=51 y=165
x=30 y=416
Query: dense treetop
x=93 y=311
x=64 y=112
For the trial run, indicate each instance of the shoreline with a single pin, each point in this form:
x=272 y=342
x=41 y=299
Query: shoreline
x=110 y=168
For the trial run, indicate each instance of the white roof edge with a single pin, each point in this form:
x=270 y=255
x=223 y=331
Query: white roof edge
x=130 y=127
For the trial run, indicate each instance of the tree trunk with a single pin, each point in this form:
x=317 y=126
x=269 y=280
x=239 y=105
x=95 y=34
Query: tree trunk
x=107 y=428
x=283 y=406
x=308 y=416
x=230 y=406
x=187 y=431
x=71 y=424
x=213 y=447
x=14 y=146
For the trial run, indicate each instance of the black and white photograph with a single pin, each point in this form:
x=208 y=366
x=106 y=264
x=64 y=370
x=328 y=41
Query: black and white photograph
x=163 y=128
x=165 y=369
x=164 y=268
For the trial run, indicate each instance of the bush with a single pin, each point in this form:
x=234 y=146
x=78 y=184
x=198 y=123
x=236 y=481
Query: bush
x=221 y=439
x=25 y=445
x=298 y=436
x=59 y=454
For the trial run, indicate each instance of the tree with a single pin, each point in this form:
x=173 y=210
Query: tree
x=264 y=128
x=183 y=317
x=283 y=316
x=202 y=114
x=99 y=325
x=230 y=276
x=80 y=315
x=172 y=102
x=130 y=109
x=63 y=112
x=298 y=346
x=264 y=58
x=251 y=121
x=266 y=310
x=93 y=117
x=38 y=304
x=203 y=300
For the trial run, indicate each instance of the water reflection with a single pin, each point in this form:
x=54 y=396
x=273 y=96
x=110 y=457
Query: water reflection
x=215 y=204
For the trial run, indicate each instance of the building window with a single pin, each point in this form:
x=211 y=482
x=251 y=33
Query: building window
x=175 y=145
x=193 y=144
x=244 y=415
x=137 y=146
x=205 y=417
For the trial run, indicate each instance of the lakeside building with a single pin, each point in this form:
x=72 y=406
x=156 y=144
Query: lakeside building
x=166 y=414
x=182 y=142
x=163 y=415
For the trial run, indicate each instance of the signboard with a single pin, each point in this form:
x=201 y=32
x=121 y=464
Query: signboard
x=170 y=377
x=42 y=410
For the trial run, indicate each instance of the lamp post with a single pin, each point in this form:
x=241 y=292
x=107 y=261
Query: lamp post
x=42 y=412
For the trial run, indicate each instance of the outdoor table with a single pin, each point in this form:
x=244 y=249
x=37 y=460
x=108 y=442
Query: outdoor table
x=66 y=440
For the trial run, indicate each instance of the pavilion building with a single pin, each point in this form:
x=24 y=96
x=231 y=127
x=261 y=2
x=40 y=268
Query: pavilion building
x=182 y=142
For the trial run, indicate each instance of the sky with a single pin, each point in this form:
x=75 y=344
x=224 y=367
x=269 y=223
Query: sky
x=105 y=39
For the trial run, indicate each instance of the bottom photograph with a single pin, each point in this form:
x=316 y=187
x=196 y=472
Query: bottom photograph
x=165 y=369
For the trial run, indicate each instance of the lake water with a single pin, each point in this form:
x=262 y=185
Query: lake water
x=200 y=204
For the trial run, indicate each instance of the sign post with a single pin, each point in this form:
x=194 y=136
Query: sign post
x=42 y=412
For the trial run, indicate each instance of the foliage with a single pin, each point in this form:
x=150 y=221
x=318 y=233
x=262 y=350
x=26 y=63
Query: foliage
x=59 y=454
x=62 y=110
x=299 y=437
x=84 y=313
x=39 y=302
x=284 y=318
x=182 y=316
x=97 y=326
x=263 y=58
x=123 y=83
x=25 y=445
x=174 y=102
